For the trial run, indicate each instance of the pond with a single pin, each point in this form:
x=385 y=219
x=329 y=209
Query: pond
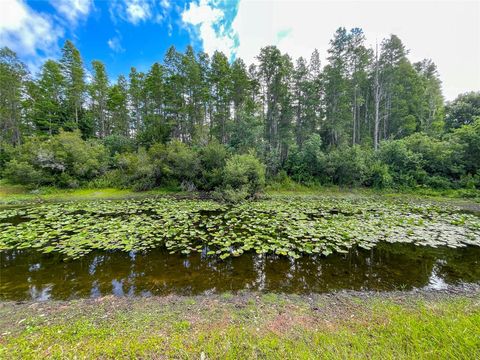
x=31 y=275
x=300 y=244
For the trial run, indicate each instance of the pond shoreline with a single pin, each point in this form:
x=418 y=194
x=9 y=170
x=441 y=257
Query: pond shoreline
x=436 y=324
x=431 y=323
x=470 y=290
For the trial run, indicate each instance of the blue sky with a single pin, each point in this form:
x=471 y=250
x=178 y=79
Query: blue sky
x=125 y=33
x=122 y=33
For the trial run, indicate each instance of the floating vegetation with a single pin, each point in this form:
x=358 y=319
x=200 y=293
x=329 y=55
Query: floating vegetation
x=289 y=226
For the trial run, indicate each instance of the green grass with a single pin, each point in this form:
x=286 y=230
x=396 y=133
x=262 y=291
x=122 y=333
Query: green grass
x=11 y=194
x=467 y=195
x=244 y=327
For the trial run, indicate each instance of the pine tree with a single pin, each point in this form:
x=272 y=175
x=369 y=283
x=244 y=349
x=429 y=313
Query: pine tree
x=74 y=74
x=47 y=95
x=117 y=107
x=174 y=93
x=275 y=73
x=99 y=90
x=432 y=109
x=221 y=88
x=338 y=109
x=155 y=129
x=13 y=75
x=136 y=101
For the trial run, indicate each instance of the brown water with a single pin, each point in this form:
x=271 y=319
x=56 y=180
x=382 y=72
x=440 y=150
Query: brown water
x=30 y=275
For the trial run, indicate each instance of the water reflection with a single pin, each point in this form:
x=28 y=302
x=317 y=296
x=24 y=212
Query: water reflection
x=27 y=274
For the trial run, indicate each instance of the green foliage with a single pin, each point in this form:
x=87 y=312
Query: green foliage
x=244 y=173
x=118 y=144
x=379 y=176
x=212 y=161
x=309 y=162
x=63 y=160
x=71 y=64
x=348 y=166
x=404 y=165
x=463 y=110
x=22 y=172
x=13 y=77
x=136 y=170
x=316 y=124
x=437 y=155
x=48 y=100
x=175 y=161
x=466 y=146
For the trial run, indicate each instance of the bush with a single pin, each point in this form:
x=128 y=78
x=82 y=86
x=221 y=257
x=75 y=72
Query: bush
x=244 y=174
x=21 y=172
x=471 y=182
x=436 y=155
x=137 y=170
x=111 y=179
x=404 y=165
x=64 y=160
x=438 y=182
x=308 y=164
x=466 y=144
x=379 y=176
x=174 y=161
x=348 y=166
x=118 y=144
x=212 y=162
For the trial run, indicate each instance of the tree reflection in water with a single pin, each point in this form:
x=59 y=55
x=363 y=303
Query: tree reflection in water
x=27 y=274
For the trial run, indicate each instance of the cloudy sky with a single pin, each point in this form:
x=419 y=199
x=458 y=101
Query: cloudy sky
x=137 y=32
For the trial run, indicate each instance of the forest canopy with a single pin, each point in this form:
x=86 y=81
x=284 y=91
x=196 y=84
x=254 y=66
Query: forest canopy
x=367 y=117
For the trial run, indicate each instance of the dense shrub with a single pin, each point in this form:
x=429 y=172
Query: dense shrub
x=466 y=147
x=348 y=166
x=118 y=144
x=212 y=161
x=243 y=175
x=22 y=172
x=63 y=160
x=136 y=170
x=379 y=176
x=174 y=161
x=404 y=165
x=418 y=160
x=309 y=163
x=470 y=181
x=436 y=155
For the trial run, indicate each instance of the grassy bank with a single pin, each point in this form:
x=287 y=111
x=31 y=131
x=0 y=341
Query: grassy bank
x=13 y=194
x=247 y=326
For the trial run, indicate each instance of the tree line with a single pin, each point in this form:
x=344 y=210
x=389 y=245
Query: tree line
x=367 y=117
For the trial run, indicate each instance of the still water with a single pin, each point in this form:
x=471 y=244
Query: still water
x=31 y=275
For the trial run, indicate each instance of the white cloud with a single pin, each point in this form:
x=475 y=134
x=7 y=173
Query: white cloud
x=115 y=44
x=205 y=21
x=165 y=4
x=138 y=11
x=27 y=32
x=447 y=32
x=73 y=10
